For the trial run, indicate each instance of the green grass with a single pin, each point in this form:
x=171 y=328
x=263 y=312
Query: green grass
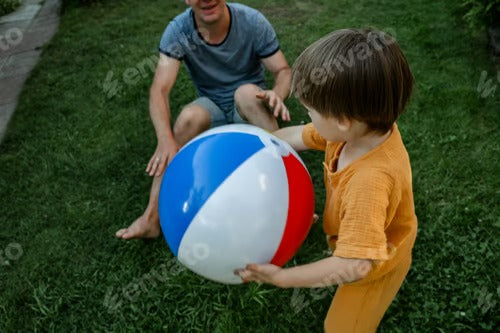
x=72 y=172
x=7 y=6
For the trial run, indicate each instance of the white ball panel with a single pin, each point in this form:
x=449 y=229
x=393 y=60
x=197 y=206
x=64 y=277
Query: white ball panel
x=242 y=222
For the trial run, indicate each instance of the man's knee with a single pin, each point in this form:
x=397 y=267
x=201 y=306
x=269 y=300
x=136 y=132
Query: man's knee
x=246 y=95
x=193 y=118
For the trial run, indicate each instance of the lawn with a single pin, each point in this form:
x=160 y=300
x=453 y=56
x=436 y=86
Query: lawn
x=72 y=173
x=8 y=6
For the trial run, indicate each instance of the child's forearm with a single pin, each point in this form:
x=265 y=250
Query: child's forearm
x=323 y=273
x=292 y=135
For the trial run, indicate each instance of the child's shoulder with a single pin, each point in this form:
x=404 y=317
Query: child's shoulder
x=388 y=164
x=390 y=157
x=368 y=175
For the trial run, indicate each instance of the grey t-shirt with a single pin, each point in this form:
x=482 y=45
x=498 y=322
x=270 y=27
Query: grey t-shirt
x=218 y=70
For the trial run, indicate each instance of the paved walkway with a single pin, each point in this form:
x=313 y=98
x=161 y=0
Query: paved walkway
x=22 y=35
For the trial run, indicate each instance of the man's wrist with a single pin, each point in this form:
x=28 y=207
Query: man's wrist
x=165 y=137
x=280 y=93
x=282 y=83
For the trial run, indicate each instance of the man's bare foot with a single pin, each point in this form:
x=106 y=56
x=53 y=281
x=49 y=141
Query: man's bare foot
x=146 y=226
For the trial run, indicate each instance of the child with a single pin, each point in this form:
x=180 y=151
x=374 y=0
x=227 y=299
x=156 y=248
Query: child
x=355 y=84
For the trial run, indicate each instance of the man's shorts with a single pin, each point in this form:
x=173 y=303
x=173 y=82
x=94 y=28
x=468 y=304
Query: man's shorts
x=220 y=116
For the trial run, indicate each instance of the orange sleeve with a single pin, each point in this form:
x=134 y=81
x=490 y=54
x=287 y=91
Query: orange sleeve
x=312 y=138
x=363 y=216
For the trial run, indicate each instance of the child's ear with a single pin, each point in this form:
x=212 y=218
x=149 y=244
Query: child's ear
x=344 y=123
x=187 y=2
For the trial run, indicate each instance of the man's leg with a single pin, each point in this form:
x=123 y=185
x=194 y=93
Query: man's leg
x=194 y=119
x=252 y=109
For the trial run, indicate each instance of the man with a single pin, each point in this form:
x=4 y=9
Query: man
x=224 y=47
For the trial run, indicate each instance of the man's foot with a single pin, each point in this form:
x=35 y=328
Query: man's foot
x=146 y=226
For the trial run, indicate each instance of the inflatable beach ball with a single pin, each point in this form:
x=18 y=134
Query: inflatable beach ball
x=235 y=195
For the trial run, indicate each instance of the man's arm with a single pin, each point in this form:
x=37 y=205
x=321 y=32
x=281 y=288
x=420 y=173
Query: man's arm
x=159 y=110
x=278 y=66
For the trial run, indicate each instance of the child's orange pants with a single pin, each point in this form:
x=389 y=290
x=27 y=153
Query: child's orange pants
x=360 y=306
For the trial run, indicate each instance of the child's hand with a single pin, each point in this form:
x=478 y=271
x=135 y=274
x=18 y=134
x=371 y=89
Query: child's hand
x=267 y=273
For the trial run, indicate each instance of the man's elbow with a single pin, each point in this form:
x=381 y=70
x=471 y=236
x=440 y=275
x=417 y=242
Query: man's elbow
x=287 y=71
x=284 y=71
x=158 y=90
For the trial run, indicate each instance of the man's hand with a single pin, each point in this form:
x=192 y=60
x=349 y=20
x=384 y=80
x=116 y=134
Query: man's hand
x=275 y=103
x=161 y=158
x=267 y=273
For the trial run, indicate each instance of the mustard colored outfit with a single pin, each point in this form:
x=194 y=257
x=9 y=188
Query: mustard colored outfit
x=369 y=214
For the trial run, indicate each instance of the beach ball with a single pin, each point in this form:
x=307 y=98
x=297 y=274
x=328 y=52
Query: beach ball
x=235 y=195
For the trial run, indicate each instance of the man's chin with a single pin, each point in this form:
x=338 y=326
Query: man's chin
x=210 y=19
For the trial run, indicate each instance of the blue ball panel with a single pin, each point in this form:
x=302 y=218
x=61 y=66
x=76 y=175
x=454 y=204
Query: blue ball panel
x=195 y=174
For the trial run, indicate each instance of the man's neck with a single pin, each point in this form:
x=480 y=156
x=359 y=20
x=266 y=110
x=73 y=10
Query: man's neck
x=216 y=32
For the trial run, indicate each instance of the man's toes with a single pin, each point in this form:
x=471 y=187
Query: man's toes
x=120 y=233
x=129 y=235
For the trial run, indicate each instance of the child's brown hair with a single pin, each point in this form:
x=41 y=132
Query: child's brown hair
x=360 y=74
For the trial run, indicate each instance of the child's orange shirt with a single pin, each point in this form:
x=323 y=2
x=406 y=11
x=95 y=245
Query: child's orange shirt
x=369 y=210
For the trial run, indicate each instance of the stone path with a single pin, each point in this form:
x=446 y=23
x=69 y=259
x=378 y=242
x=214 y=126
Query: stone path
x=22 y=35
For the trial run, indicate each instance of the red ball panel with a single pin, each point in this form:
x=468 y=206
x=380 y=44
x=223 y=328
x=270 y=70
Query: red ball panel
x=300 y=210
